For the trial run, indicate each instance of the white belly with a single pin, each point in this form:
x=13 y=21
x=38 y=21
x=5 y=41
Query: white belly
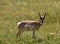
x=30 y=27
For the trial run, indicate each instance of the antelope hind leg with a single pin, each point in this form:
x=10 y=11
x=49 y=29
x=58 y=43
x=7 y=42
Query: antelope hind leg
x=19 y=33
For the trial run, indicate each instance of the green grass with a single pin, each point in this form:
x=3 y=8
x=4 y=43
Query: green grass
x=13 y=11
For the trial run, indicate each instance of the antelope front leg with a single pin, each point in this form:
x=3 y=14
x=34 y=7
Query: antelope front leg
x=34 y=34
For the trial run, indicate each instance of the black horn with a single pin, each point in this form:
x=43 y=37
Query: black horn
x=44 y=14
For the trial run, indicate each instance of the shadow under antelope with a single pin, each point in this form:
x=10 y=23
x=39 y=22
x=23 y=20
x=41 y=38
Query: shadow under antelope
x=30 y=25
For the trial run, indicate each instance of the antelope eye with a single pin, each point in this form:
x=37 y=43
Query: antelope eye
x=42 y=18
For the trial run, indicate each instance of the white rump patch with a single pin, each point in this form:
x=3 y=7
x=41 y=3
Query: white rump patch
x=18 y=23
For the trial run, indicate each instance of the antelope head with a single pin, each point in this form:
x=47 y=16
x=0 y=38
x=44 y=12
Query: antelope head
x=41 y=18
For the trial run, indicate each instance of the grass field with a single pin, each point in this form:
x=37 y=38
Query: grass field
x=13 y=11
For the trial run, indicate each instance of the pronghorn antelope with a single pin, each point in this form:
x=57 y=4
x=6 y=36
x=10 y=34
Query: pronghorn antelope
x=30 y=25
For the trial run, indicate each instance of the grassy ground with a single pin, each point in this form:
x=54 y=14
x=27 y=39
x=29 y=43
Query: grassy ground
x=13 y=11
